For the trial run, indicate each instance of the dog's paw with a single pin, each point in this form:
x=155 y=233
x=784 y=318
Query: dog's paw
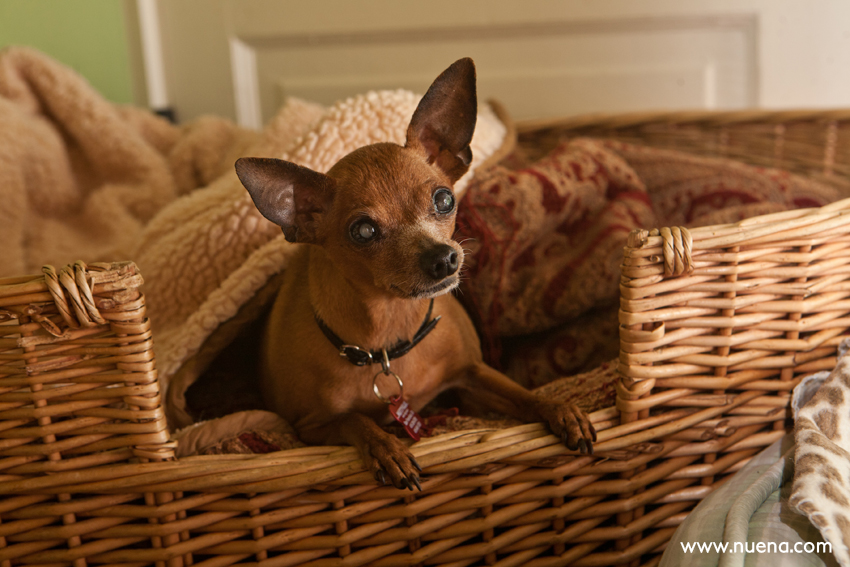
x=570 y=424
x=390 y=462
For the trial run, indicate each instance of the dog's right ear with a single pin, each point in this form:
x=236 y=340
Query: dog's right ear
x=443 y=123
x=287 y=194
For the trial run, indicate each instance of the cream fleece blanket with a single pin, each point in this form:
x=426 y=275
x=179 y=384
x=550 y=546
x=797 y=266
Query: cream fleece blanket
x=82 y=178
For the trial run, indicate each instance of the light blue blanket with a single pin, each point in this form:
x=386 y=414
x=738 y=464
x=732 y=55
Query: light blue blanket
x=751 y=509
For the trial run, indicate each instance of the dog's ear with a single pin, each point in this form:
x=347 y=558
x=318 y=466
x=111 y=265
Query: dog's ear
x=443 y=123
x=287 y=194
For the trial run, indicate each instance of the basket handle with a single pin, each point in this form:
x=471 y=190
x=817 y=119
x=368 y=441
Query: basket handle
x=76 y=289
x=677 y=245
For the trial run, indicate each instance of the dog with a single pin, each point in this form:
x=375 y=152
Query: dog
x=352 y=338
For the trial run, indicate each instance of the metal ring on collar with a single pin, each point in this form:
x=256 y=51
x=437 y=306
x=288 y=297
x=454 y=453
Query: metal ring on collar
x=385 y=361
x=378 y=391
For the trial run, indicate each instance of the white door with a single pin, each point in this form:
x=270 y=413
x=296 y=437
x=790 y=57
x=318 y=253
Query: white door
x=540 y=58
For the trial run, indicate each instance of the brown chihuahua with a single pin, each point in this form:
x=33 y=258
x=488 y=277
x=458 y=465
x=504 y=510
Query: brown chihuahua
x=378 y=274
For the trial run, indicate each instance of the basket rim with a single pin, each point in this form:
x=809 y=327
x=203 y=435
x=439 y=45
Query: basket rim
x=762 y=229
x=617 y=120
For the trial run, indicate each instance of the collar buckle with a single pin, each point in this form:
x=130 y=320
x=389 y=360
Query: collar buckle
x=361 y=357
x=356 y=355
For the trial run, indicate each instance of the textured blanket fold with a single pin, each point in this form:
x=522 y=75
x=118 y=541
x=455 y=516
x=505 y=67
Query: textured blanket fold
x=78 y=178
x=81 y=177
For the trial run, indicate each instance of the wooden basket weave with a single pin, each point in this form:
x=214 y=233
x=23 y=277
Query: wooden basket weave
x=717 y=326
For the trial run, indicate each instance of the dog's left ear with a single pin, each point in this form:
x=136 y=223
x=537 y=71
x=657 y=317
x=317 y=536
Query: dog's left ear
x=443 y=123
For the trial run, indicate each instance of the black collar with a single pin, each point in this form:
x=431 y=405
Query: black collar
x=361 y=357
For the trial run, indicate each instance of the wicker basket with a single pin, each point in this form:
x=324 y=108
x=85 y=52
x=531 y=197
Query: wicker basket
x=718 y=324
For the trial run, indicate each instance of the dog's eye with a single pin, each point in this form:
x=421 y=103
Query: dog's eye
x=444 y=201
x=363 y=231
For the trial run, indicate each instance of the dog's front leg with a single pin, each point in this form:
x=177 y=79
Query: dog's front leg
x=386 y=457
x=498 y=392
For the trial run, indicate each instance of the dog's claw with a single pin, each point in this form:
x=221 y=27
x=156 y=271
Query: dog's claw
x=381 y=477
x=569 y=424
x=391 y=463
x=418 y=466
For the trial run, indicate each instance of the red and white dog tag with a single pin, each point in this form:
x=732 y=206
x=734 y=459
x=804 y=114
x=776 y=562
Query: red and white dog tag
x=404 y=414
x=399 y=408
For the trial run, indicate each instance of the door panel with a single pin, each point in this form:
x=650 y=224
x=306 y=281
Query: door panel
x=541 y=58
x=534 y=70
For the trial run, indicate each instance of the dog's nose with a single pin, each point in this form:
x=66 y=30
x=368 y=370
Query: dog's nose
x=439 y=262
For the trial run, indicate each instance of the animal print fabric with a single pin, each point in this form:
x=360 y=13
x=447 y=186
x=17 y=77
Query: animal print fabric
x=821 y=488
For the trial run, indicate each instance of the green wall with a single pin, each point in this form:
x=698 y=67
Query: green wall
x=87 y=35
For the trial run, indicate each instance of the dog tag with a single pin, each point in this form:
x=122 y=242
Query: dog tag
x=404 y=414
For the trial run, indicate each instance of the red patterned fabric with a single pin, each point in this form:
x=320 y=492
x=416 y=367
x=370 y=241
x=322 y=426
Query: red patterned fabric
x=546 y=240
x=542 y=278
x=688 y=190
